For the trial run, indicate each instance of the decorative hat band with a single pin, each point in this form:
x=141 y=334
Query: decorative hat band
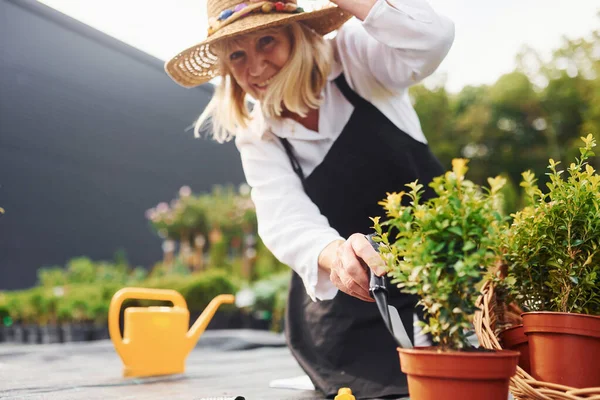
x=226 y=17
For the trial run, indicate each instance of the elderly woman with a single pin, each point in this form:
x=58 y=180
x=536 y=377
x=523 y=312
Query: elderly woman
x=331 y=132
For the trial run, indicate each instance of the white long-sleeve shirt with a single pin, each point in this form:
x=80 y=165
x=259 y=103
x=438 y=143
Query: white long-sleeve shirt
x=400 y=43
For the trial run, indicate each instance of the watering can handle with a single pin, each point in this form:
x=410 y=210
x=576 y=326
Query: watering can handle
x=137 y=293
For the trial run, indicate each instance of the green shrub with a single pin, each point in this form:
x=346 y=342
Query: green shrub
x=160 y=270
x=19 y=306
x=64 y=312
x=107 y=272
x=442 y=248
x=270 y=296
x=52 y=276
x=198 y=289
x=43 y=305
x=78 y=299
x=553 y=245
x=90 y=301
x=209 y=284
x=269 y=292
x=81 y=270
x=218 y=254
x=98 y=310
x=175 y=282
x=137 y=275
x=4 y=313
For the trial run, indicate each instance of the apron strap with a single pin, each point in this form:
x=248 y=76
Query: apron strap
x=293 y=160
x=351 y=96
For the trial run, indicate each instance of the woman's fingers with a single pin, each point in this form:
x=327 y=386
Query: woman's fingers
x=348 y=274
x=348 y=270
x=353 y=267
x=365 y=251
x=347 y=285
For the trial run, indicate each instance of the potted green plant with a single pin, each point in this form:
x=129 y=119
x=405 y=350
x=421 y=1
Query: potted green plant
x=441 y=249
x=74 y=312
x=553 y=256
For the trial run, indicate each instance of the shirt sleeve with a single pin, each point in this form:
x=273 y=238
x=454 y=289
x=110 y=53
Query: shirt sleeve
x=400 y=43
x=289 y=223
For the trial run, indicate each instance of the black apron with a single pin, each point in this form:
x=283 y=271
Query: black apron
x=343 y=342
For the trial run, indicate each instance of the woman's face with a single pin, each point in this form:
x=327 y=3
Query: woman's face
x=255 y=59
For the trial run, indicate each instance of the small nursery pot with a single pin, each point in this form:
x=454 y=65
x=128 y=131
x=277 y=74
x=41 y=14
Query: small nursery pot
x=514 y=338
x=564 y=348
x=457 y=375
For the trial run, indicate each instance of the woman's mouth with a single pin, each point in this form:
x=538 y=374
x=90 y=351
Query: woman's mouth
x=263 y=85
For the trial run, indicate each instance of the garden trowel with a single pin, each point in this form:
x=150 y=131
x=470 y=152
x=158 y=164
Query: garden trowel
x=379 y=291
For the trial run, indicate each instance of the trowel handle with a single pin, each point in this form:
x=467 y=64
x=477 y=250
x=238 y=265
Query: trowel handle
x=376 y=283
x=372 y=242
x=138 y=293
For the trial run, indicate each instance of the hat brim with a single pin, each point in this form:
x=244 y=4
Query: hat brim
x=197 y=64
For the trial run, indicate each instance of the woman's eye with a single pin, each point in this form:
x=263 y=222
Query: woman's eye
x=236 y=55
x=265 y=41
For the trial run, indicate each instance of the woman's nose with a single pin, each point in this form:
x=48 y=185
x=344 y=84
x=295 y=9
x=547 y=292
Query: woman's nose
x=256 y=65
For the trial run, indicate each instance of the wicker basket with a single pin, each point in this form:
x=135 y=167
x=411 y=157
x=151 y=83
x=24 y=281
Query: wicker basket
x=495 y=316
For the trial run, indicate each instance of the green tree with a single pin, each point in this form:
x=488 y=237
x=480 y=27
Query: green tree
x=435 y=113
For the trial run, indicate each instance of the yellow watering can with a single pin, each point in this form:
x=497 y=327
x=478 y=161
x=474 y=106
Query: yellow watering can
x=156 y=340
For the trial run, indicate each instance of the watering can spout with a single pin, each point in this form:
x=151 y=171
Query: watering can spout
x=204 y=319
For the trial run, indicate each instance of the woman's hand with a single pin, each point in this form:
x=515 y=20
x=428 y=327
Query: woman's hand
x=346 y=262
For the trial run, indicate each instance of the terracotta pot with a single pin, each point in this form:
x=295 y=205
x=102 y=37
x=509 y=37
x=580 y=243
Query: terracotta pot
x=514 y=338
x=564 y=348
x=434 y=375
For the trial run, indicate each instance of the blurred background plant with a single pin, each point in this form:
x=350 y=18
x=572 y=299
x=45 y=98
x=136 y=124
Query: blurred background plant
x=210 y=247
x=214 y=228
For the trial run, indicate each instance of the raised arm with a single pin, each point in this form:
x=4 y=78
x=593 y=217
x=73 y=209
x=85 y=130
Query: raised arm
x=399 y=42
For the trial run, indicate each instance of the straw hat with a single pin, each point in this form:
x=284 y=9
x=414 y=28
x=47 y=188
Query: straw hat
x=197 y=64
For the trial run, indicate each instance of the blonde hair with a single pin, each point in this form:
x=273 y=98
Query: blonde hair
x=297 y=86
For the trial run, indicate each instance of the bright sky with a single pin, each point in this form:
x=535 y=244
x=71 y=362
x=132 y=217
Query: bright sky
x=488 y=33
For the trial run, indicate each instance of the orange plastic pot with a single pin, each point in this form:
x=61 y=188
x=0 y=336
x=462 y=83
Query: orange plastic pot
x=564 y=348
x=514 y=338
x=434 y=375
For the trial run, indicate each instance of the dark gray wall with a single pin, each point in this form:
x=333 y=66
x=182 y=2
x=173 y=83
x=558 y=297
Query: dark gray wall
x=92 y=133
